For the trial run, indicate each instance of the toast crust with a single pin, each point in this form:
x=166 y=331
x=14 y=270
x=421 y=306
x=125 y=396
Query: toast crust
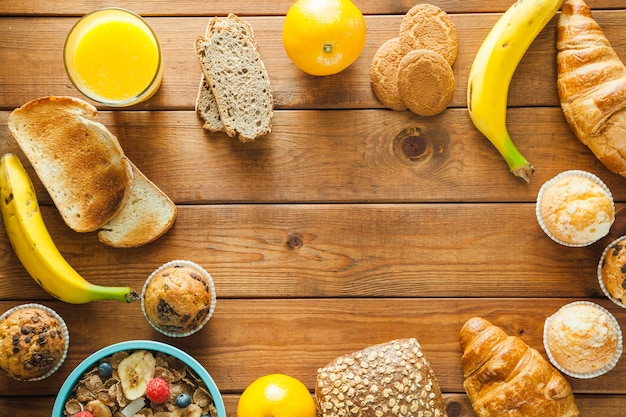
x=79 y=162
x=147 y=215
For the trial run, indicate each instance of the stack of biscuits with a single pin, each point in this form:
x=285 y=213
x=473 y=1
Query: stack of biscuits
x=414 y=69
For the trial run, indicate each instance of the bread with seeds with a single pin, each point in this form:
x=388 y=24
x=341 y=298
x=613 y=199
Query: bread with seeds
x=391 y=379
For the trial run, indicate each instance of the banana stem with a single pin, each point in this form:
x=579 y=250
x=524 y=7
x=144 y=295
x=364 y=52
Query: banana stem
x=123 y=294
x=518 y=165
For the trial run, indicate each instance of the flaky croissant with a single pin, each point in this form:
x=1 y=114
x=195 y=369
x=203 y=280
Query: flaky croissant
x=505 y=377
x=591 y=82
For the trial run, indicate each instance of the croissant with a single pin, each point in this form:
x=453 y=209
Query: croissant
x=505 y=377
x=591 y=82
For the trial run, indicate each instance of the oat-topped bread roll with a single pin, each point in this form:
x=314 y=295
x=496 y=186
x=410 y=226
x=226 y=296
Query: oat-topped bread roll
x=592 y=85
x=506 y=377
x=389 y=379
x=78 y=160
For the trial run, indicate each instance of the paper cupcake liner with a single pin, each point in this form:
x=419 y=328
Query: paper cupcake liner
x=66 y=336
x=211 y=307
x=545 y=186
x=610 y=365
x=605 y=290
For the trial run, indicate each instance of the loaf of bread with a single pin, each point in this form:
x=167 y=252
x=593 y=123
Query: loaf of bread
x=236 y=77
x=506 y=377
x=146 y=216
x=591 y=85
x=79 y=162
x=388 y=379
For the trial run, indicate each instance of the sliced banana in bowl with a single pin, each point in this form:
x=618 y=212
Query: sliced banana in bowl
x=127 y=378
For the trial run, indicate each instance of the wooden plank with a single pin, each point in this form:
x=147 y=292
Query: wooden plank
x=247 y=338
x=465 y=250
x=34 y=66
x=457 y=405
x=336 y=156
x=255 y=7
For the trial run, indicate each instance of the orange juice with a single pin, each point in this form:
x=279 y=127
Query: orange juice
x=113 y=57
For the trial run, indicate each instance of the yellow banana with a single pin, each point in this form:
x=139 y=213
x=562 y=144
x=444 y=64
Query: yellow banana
x=493 y=68
x=34 y=246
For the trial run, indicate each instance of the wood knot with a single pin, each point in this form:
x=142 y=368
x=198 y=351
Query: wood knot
x=454 y=409
x=421 y=142
x=295 y=241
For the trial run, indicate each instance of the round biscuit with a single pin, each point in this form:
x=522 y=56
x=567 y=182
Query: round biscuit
x=384 y=74
x=426 y=26
x=426 y=82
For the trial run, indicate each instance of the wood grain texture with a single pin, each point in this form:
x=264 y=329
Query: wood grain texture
x=253 y=7
x=293 y=89
x=374 y=155
x=348 y=225
x=247 y=338
x=457 y=405
x=404 y=250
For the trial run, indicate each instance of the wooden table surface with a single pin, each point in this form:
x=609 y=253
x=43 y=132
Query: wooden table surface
x=348 y=225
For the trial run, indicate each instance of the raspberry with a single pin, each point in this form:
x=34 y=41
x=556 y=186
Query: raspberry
x=157 y=390
x=83 y=413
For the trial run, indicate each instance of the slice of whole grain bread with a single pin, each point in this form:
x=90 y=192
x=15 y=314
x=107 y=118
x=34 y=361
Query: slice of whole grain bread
x=206 y=106
x=237 y=78
x=79 y=162
x=147 y=215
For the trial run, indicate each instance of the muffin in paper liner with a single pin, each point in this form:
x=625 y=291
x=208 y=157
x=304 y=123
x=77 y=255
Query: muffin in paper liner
x=178 y=298
x=567 y=347
x=577 y=213
x=35 y=341
x=612 y=271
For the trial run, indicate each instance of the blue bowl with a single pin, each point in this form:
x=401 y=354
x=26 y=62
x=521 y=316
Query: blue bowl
x=92 y=360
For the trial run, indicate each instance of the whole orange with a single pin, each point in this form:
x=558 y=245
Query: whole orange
x=323 y=37
x=276 y=395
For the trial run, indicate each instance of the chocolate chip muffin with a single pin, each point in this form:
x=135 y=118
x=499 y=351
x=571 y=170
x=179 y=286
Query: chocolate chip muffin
x=178 y=298
x=33 y=342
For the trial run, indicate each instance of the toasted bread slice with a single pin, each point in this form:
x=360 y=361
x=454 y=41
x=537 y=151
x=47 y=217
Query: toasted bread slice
x=79 y=162
x=146 y=216
x=237 y=78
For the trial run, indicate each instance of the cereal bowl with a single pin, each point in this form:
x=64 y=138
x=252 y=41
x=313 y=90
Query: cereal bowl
x=171 y=363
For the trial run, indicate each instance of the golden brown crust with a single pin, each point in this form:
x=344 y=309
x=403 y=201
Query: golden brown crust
x=426 y=26
x=592 y=85
x=384 y=74
x=613 y=270
x=576 y=208
x=31 y=343
x=583 y=339
x=78 y=160
x=147 y=215
x=426 y=82
x=178 y=299
x=376 y=381
x=504 y=376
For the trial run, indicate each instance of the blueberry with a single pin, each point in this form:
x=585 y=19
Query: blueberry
x=105 y=370
x=183 y=400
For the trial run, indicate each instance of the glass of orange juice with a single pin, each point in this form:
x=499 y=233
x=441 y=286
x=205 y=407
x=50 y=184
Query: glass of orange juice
x=113 y=57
